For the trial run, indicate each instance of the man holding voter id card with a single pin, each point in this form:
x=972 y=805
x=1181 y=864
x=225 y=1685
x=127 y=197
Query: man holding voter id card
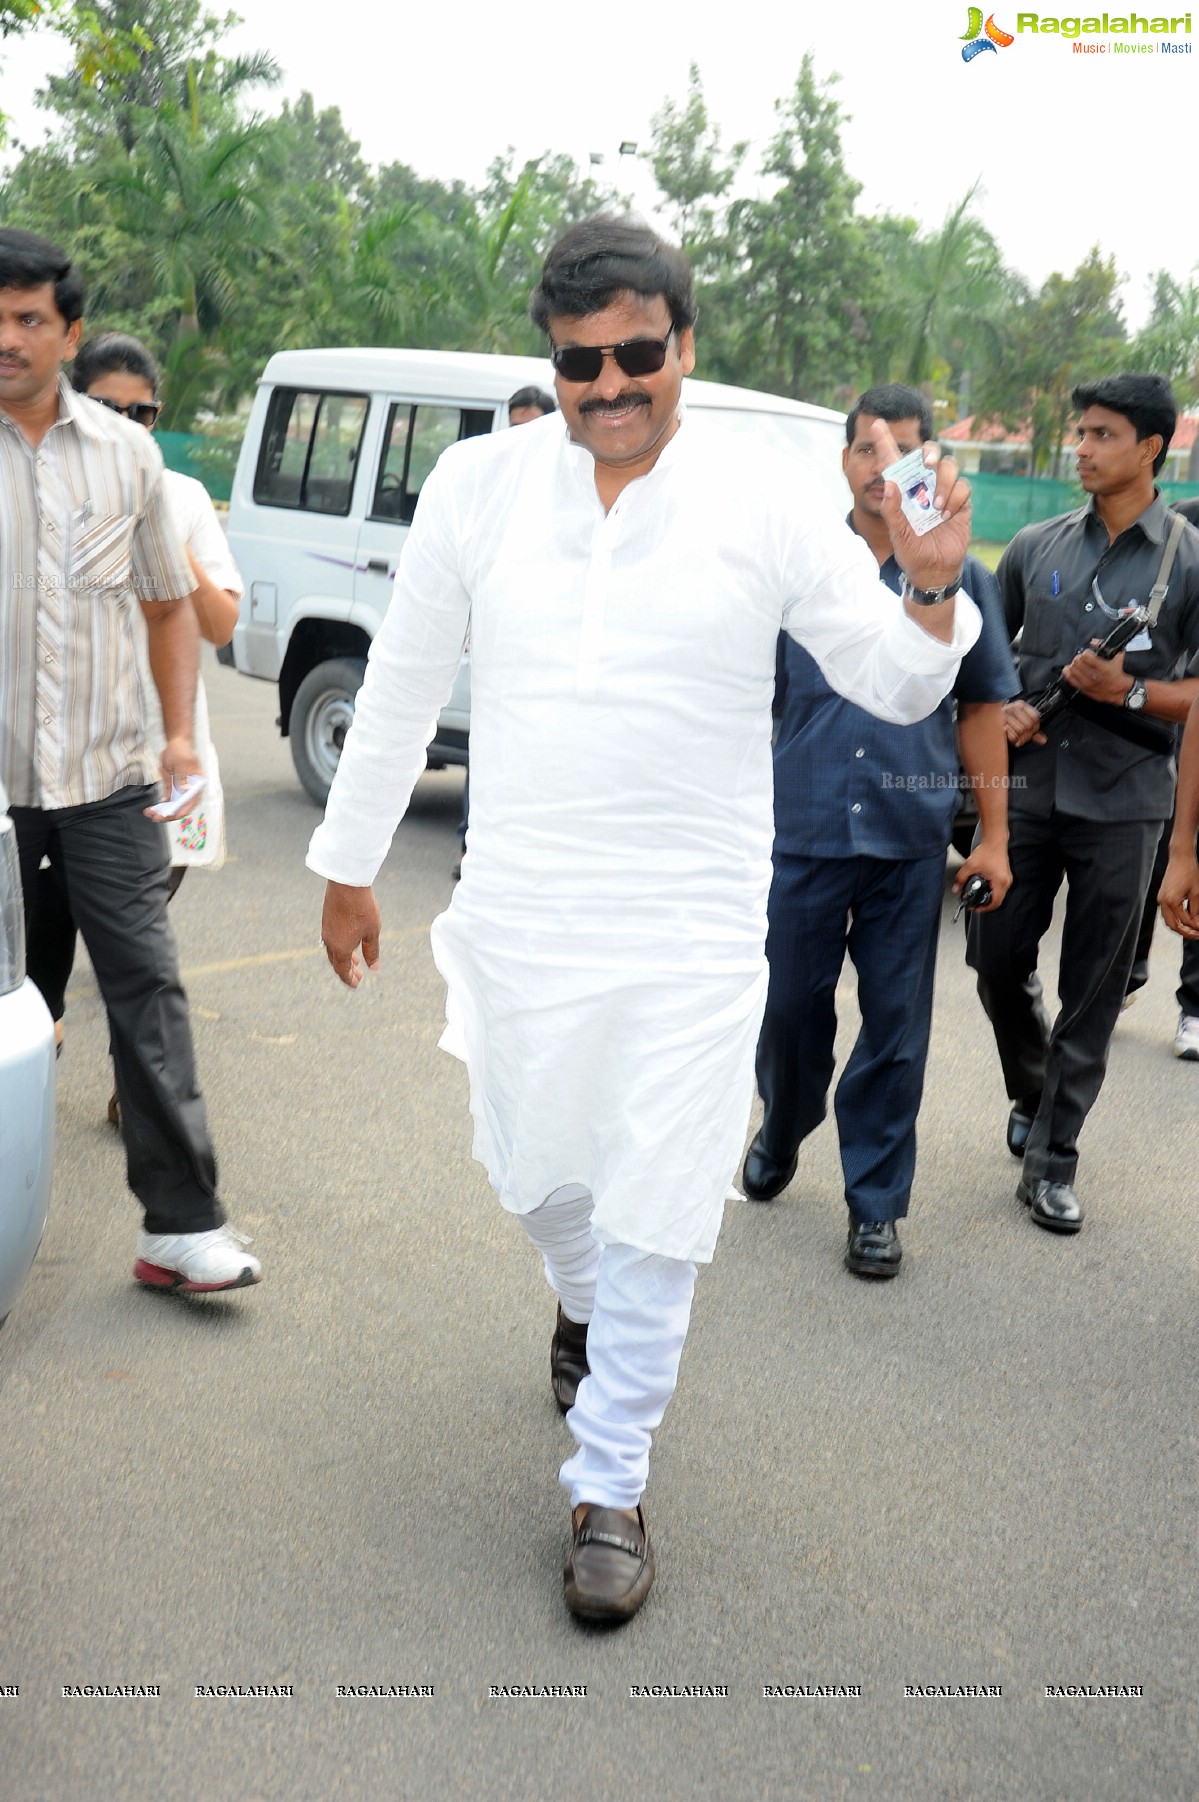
x=863 y=812
x=624 y=583
x=1106 y=602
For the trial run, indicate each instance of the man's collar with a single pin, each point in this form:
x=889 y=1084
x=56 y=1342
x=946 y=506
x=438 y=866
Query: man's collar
x=1152 y=521
x=81 y=411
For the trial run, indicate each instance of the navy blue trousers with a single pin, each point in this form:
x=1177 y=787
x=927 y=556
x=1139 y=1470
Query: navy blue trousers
x=887 y=915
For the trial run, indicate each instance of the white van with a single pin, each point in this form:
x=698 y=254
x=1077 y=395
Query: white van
x=330 y=472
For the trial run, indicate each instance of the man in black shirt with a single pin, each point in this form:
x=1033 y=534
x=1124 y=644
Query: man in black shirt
x=1089 y=793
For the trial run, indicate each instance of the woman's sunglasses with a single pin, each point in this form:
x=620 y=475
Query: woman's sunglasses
x=636 y=356
x=141 y=412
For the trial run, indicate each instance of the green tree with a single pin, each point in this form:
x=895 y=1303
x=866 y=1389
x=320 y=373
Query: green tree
x=137 y=57
x=1169 y=342
x=796 y=310
x=1069 y=331
x=97 y=51
x=192 y=199
x=693 y=172
x=943 y=295
x=487 y=272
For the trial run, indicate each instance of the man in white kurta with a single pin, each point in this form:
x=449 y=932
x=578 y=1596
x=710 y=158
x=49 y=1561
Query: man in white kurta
x=623 y=586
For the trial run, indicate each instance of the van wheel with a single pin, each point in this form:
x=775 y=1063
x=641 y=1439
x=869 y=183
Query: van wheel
x=320 y=718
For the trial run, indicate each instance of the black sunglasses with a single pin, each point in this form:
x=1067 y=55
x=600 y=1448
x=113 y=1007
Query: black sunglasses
x=583 y=362
x=142 y=412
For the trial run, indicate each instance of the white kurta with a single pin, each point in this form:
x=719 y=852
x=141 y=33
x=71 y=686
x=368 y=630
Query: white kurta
x=604 y=951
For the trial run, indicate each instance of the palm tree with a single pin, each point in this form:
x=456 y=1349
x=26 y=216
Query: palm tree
x=953 y=290
x=486 y=272
x=190 y=194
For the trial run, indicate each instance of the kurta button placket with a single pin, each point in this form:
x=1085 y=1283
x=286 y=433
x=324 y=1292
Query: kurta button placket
x=595 y=600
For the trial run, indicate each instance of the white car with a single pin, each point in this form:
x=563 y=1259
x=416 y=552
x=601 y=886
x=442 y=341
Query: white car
x=26 y=1087
x=337 y=447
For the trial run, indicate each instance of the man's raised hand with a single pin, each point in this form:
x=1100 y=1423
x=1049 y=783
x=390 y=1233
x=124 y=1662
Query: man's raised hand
x=936 y=559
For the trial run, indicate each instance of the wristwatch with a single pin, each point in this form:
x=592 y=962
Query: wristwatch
x=928 y=597
x=1137 y=695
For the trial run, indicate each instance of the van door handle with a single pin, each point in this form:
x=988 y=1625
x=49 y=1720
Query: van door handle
x=378 y=566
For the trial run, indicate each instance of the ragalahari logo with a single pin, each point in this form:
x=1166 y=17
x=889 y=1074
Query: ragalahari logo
x=978 y=37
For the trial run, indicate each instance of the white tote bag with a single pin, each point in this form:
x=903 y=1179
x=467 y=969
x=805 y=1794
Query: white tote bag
x=197 y=840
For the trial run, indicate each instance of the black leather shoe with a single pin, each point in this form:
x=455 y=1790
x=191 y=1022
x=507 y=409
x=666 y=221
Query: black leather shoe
x=568 y=1360
x=874 y=1248
x=1019 y=1125
x=1052 y=1205
x=763 y=1179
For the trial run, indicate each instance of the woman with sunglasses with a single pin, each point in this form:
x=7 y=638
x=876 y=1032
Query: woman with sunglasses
x=119 y=372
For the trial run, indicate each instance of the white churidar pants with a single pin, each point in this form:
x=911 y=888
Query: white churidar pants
x=638 y=1307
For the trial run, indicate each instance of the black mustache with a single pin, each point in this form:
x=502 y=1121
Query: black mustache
x=632 y=398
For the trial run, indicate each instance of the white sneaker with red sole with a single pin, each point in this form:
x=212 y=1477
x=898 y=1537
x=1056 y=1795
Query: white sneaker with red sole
x=196 y=1263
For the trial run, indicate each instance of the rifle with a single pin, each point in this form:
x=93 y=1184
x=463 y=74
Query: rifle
x=1059 y=695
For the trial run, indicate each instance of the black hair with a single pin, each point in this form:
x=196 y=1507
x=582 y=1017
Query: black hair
x=110 y=352
x=27 y=261
x=603 y=257
x=1146 y=401
x=891 y=401
x=533 y=397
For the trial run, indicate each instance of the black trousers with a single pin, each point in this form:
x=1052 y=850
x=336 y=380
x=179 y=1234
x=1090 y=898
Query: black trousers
x=1060 y=1069
x=112 y=864
x=1187 y=993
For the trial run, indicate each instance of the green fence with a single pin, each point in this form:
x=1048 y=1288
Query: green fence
x=1002 y=504
x=197 y=454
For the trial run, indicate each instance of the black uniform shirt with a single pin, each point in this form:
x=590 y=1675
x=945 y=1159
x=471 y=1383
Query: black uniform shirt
x=1064 y=584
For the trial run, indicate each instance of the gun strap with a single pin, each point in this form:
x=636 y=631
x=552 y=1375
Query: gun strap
x=1160 y=589
x=1151 y=735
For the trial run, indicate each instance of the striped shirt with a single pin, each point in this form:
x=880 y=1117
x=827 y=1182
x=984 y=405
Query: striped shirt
x=85 y=534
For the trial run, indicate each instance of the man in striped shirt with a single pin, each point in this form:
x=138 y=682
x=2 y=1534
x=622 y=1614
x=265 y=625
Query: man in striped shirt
x=88 y=561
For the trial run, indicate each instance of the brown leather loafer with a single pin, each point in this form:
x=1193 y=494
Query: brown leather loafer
x=610 y=1570
x=568 y=1360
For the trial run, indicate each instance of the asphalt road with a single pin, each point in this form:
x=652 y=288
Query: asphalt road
x=980 y=1474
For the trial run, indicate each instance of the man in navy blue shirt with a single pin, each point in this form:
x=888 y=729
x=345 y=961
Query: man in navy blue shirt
x=863 y=815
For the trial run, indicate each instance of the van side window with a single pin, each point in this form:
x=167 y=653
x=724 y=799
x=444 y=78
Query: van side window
x=415 y=438
x=309 y=452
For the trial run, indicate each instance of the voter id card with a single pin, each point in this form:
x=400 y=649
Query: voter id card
x=181 y=800
x=917 y=485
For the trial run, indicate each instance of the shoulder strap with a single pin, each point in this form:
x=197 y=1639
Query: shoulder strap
x=1158 y=592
